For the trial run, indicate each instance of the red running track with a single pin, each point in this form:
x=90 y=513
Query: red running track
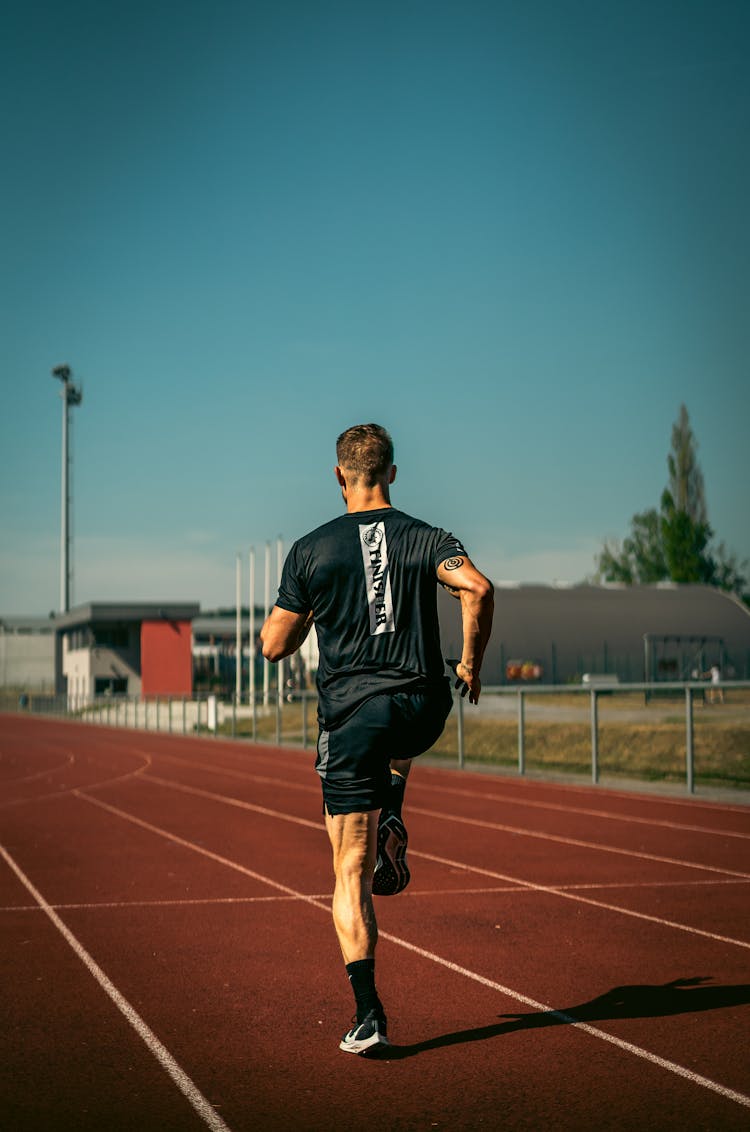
x=565 y=957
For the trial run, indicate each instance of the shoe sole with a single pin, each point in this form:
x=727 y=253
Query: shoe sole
x=391 y=871
x=366 y=1046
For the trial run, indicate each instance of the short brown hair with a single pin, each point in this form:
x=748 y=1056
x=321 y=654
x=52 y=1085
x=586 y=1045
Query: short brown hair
x=366 y=450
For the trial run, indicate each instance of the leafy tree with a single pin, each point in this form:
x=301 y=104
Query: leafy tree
x=685 y=544
x=640 y=559
x=675 y=541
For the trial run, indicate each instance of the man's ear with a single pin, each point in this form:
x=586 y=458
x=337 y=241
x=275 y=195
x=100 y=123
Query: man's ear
x=392 y=474
x=339 y=476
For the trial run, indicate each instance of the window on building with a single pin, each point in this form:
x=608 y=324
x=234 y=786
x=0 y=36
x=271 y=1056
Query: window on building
x=112 y=636
x=110 y=686
x=78 y=638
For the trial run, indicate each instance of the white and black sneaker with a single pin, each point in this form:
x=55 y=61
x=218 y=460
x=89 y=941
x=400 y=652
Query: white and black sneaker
x=391 y=871
x=367 y=1036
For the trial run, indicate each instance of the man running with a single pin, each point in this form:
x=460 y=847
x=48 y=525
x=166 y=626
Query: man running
x=368 y=581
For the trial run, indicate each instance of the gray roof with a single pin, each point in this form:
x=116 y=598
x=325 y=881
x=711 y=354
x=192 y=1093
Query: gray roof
x=127 y=611
x=33 y=624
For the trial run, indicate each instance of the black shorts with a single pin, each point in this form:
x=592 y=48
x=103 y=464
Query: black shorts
x=353 y=759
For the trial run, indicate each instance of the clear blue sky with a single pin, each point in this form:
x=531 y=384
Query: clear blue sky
x=515 y=233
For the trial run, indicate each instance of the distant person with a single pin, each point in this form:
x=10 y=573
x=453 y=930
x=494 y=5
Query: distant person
x=716 y=691
x=367 y=579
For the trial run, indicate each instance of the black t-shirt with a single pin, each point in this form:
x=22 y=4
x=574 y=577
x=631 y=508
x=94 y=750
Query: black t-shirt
x=370 y=580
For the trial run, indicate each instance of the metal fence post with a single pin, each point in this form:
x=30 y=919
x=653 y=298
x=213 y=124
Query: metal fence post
x=521 y=732
x=460 y=729
x=278 y=720
x=304 y=718
x=689 y=751
x=594 y=737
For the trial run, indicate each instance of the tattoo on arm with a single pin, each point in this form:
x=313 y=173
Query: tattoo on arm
x=453 y=563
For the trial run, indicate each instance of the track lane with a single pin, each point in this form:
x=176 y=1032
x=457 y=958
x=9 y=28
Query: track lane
x=457 y=1060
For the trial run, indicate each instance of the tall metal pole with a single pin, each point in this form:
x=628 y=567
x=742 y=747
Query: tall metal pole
x=266 y=610
x=280 y=665
x=238 y=633
x=252 y=625
x=64 y=510
x=71 y=395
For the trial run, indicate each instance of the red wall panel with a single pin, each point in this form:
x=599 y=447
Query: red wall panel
x=166 y=658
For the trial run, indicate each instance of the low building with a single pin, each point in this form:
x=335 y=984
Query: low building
x=124 y=648
x=27 y=653
x=554 y=635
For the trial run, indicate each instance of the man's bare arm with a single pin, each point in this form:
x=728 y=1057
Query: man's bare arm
x=284 y=632
x=460 y=577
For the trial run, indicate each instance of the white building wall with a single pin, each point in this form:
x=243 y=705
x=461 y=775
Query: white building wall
x=83 y=666
x=27 y=659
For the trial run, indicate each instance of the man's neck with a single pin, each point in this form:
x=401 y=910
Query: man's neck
x=366 y=499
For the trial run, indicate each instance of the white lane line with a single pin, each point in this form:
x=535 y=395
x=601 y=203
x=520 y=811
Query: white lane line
x=609 y=815
x=65 y=791
x=414 y=891
x=40 y=773
x=597 y=846
x=570 y=1019
x=637 y=1051
x=524 y=783
x=552 y=890
x=228 y=800
x=566 y=895
x=249 y=750
x=249 y=776
x=244 y=775
x=206 y=852
x=187 y=1087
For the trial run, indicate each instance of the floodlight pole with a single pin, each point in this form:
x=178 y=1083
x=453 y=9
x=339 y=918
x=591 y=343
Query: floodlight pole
x=71 y=395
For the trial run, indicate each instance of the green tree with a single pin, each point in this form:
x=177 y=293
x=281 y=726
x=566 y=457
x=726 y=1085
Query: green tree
x=640 y=559
x=675 y=541
x=685 y=544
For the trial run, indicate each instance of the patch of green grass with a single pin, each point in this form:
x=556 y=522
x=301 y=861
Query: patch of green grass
x=650 y=751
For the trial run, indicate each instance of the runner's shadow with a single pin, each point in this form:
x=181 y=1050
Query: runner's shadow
x=681 y=996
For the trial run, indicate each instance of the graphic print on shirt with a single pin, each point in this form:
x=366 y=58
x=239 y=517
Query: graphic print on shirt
x=375 y=559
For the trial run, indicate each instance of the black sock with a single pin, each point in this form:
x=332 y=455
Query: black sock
x=396 y=794
x=362 y=977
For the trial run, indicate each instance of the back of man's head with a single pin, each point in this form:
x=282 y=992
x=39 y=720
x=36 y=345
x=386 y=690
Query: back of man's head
x=366 y=451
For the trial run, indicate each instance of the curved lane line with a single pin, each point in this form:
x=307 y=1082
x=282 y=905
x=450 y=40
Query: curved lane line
x=65 y=790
